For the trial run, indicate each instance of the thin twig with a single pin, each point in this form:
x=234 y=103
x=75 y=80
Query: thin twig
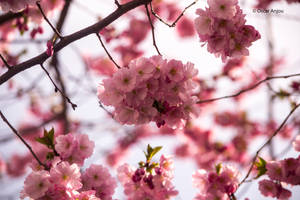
x=118 y=4
x=109 y=113
x=152 y=29
x=268 y=141
x=57 y=89
x=47 y=20
x=249 y=88
x=20 y=137
x=110 y=57
x=177 y=19
x=5 y=62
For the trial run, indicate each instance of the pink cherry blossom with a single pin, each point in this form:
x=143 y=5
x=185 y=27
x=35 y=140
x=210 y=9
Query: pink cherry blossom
x=223 y=9
x=152 y=89
x=36 y=184
x=98 y=178
x=222 y=27
x=67 y=175
x=216 y=184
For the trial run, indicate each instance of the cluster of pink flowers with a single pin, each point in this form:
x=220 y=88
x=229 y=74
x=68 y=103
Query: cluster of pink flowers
x=63 y=180
x=140 y=184
x=151 y=89
x=283 y=171
x=98 y=178
x=74 y=148
x=222 y=27
x=218 y=184
x=15 y=5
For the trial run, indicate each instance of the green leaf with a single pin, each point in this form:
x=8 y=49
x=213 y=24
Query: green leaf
x=218 y=168
x=47 y=139
x=261 y=167
x=151 y=152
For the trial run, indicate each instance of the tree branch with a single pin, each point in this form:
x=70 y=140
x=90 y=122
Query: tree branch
x=177 y=19
x=110 y=57
x=10 y=16
x=249 y=88
x=47 y=20
x=268 y=141
x=95 y=28
x=24 y=142
x=57 y=88
x=4 y=61
x=152 y=29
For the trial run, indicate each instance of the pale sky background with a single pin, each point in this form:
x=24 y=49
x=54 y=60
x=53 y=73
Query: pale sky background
x=286 y=43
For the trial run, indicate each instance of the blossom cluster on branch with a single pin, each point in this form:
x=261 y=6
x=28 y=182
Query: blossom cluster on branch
x=222 y=27
x=151 y=89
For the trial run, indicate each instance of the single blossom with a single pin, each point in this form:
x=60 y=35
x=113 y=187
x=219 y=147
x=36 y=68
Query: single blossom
x=36 y=184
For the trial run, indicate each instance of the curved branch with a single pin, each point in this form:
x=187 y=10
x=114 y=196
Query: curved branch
x=95 y=28
x=268 y=142
x=248 y=88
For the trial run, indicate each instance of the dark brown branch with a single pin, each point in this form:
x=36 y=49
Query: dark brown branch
x=177 y=19
x=55 y=63
x=118 y=4
x=95 y=28
x=57 y=89
x=4 y=61
x=268 y=141
x=249 y=88
x=24 y=142
x=47 y=20
x=10 y=16
x=110 y=57
x=152 y=30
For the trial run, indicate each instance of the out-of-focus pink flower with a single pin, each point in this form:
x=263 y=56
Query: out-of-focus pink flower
x=296 y=143
x=101 y=65
x=185 y=27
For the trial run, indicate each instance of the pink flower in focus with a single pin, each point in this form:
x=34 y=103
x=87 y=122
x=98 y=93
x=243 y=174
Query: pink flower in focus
x=67 y=175
x=222 y=27
x=87 y=195
x=36 y=184
x=224 y=9
x=124 y=80
x=98 y=178
x=152 y=89
x=65 y=144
